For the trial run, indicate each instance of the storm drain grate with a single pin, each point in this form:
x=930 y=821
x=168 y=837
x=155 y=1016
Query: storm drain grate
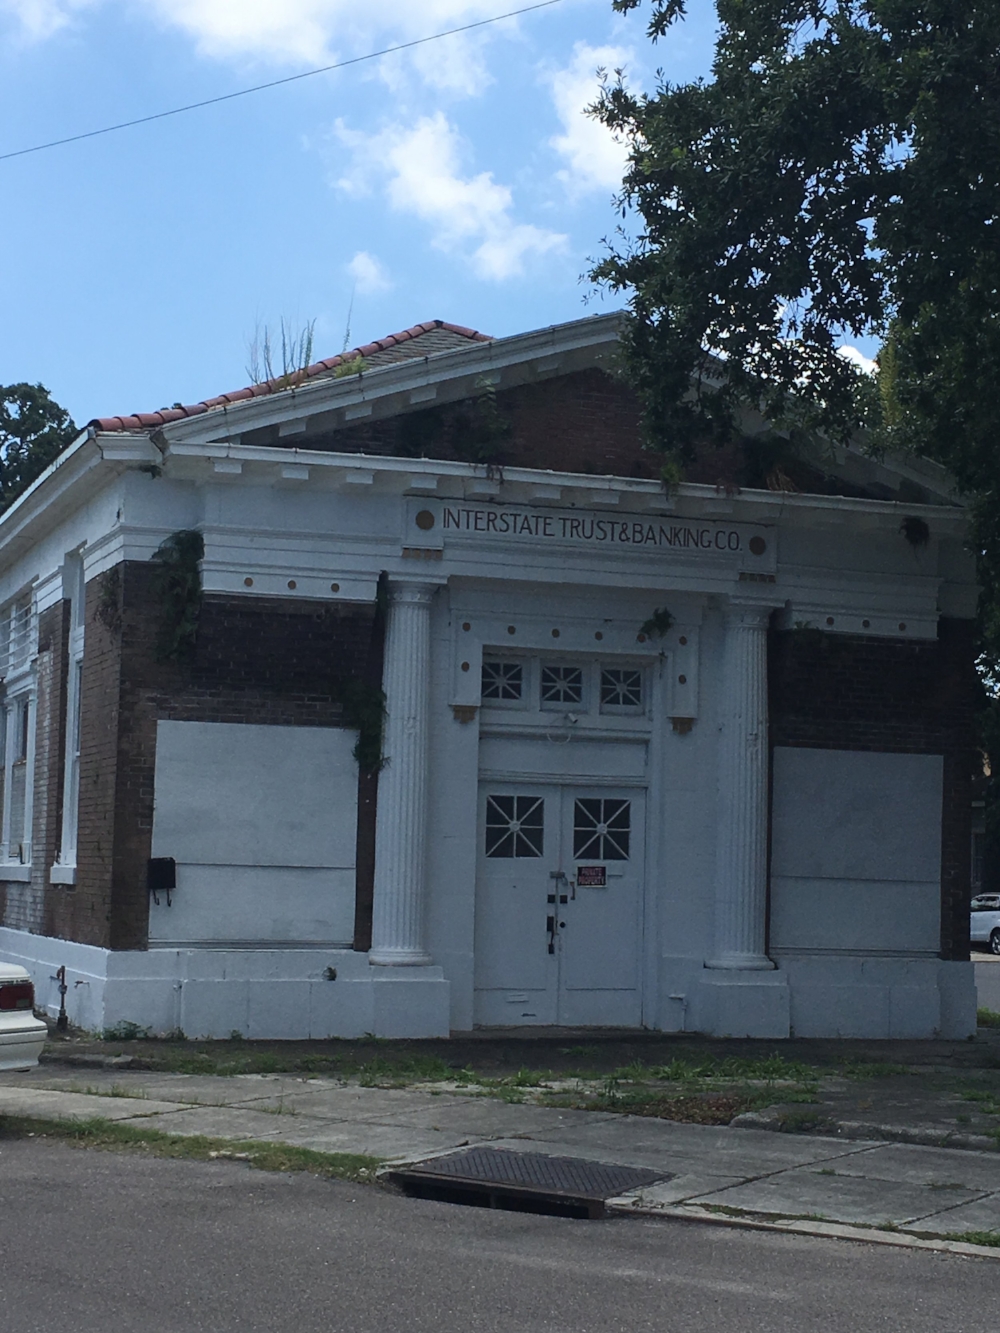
x=524 y=1181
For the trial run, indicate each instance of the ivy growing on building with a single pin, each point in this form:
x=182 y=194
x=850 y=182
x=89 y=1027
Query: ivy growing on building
x=364 y=711
x=177 y=589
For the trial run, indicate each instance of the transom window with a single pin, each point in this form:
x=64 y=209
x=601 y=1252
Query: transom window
x=621 y=687
x=503 y=680
x=602 y=829
x=515 y=826
x=562 y=685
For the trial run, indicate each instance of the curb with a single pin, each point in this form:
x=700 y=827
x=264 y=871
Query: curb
x=626 y=1207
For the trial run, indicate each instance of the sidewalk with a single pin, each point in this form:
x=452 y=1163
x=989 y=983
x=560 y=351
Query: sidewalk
x=744 y=1175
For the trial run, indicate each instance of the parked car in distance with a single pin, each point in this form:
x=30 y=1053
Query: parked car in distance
x=22 y=1035
x=985 y=921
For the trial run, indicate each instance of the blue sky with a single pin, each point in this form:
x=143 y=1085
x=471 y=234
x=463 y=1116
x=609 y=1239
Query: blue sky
x=458 y=181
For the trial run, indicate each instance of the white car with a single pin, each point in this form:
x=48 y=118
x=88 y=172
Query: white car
x=985 y=921
x=22 y=1035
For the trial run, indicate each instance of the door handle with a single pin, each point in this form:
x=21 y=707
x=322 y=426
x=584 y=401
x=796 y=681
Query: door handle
x=550 y=926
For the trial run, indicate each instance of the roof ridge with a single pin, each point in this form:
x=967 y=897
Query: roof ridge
x=146 y=420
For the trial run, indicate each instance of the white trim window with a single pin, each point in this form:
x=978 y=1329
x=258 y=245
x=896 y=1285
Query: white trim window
x=622 y=689
x=75 y=590
x=17 y=722
x=505 y=682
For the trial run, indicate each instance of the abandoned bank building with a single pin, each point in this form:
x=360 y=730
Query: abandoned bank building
x=689 y=760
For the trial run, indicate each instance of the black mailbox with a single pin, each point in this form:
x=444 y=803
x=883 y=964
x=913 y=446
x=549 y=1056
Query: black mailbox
x=161 y=876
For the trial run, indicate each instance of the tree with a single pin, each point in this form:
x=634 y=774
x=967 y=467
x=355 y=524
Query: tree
x=837 y=176
x=34 y=430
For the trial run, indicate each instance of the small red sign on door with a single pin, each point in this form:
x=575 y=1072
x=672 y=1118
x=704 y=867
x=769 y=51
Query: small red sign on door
x=592 y=877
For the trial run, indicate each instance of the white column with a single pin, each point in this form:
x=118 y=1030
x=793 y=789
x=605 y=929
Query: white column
x=401 y=823
x=741 y=849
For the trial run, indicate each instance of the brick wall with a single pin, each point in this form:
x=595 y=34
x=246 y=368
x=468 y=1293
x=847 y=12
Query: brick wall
x=29 y=906
x=271 y=661
x=584 y=422
x=845 y=692
x=83 y=912
x=50 y=752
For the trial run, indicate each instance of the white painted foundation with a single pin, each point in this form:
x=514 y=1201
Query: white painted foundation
x=277 y=994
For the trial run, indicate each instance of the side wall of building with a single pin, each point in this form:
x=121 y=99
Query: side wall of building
x=273 y=661
x=864 y=694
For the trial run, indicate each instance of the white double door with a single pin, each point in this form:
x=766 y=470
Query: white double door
x=558 y=935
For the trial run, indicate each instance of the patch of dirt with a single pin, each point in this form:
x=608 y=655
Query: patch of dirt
x=710 y=1108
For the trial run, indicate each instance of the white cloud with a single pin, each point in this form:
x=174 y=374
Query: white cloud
x=39 y=19
x=595 y=159
x=369 y=274
x=864 y=363
x=301 y=31
x=456 y=64
x=419 y=168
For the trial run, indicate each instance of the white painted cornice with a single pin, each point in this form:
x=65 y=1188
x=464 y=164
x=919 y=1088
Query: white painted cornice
x=83 y=468
x=517 y=485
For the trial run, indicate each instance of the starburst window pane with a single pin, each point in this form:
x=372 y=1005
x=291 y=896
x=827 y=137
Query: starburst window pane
x=515 y=827
x=601 y=829
x=502 y=680
x=621 y=688
x=562 y=685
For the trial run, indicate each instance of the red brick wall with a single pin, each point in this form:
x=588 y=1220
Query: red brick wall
x=846 y=692
x=84 y=913
x=28 y=906
x=271 y=661
x=584 y=422
x=50 y=752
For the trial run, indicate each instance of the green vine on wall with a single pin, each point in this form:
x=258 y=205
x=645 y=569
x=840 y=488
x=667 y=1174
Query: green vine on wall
x=109 y=600
x=658 y=624
x=177 y=588
x=364 y=711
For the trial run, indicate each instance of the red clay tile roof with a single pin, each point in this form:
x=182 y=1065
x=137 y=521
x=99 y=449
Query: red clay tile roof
x=395 y=347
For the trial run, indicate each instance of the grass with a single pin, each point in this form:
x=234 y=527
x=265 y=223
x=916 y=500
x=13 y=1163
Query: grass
x=863 y=1069
x=110 y=1136
x=991 y=1238
x=707 y=1091
x=116 y=1090
x=987 y=1101
x=229 y=1059
x=987 y=1018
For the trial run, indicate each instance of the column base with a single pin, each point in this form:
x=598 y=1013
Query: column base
x=741 y=962
x=399 y=958
x=744 y=1003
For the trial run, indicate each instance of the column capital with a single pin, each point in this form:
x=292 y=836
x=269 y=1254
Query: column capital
x=414 y=592
x=742 y=613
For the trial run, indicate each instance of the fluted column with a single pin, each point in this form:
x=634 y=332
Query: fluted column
x=401 y=824
x=741 y=849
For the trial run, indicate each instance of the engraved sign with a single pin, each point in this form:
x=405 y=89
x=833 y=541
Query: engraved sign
x=698 y=537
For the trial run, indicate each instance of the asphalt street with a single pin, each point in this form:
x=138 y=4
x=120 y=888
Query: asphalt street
x=100 y=1241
